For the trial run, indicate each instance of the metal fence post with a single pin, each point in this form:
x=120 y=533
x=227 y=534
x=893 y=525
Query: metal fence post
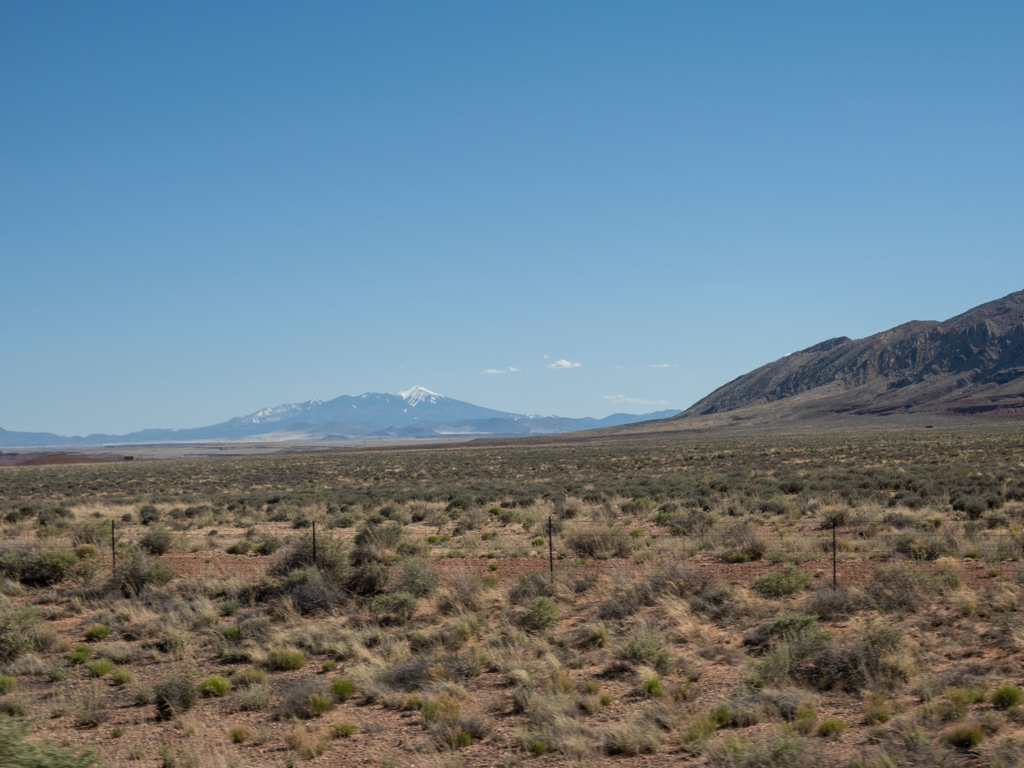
x=315 y=564
x=551 y=552
x=835 y=524
x=113 y=549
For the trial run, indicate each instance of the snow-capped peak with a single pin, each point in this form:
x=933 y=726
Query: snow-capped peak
x=415 y=395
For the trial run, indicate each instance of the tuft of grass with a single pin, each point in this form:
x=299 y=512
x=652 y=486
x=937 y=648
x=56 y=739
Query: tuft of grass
x=214 y=685
x=121 y=677
x=239 y=735
x=1006 y=696
x=97 y=632
x=279 y=660
x=343 y=689
x=81 y=653
x=8 y=684
x=100 y=667
x=343 y=730
x=831 y=726
x=789 y=582
x=966 y=736
x=652 y=686
x=877 y=710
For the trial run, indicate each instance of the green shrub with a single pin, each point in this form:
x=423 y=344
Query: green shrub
x=121 y=677
x=239 y=735
x=541 y=615
x=8 y=684
x=82 y=652
x=652 y=686
x=246 y=678
x=173 y=697
x=1006 y=696
x=229 y=607
x=965 y=736
x=647 y=646
x=100 y=667
x=778 y=750
x=137 y=569
x=600 y=544
x=343 y=730
x=318 y=704
x=278 y=660
x=790 y=581
x=831 y=726
x=343 y=689
x=214 y=685
x=148 y=514
x=417 y=578
x=15 y=752
x=15 y=627
x=397 y=606
x=97 y=632
x=232 y=634
x=157 y=541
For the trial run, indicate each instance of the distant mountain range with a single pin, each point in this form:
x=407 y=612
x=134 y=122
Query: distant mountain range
x=917 y=373
x=415 y=412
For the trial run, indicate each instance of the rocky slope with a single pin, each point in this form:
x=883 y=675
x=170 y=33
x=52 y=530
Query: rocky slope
x=972 y=364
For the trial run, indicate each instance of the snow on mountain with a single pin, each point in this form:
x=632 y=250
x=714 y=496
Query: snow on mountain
x=416 y=395
x=414 y=412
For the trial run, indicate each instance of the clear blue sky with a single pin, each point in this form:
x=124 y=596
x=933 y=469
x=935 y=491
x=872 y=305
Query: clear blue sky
x=207 y=208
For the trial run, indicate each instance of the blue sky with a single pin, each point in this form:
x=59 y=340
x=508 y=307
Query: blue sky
x=209 y=208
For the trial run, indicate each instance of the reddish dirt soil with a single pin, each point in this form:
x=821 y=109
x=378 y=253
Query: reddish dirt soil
x=850 y=574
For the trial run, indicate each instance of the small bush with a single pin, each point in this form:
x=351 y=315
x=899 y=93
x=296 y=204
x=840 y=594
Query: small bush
x=136 y=569
x=831 y=726
x=790 y=581
x=18 y=753
x=173 y=697
x=97 y=632
x=303 y=699
x=541 y=615
x=157 y=542
x=647 y=646
x=214 y=685
x=8 y=684
x=396 y=606
x=965 y=736
x=82 y=652
x=239 y=735
x=278 y=660
x=254 y=698
x=100 y=667
x=343 y=730
x=246 y=678
x=1006 y=696
x=652 y=686
x=343 y=689
x=121 y=677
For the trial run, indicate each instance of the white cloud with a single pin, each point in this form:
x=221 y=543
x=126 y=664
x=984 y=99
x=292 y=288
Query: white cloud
x=515 y=370
x=510 y=369
x=635 y=400
x=546 y=357
x=662 y=365
x=559 y=364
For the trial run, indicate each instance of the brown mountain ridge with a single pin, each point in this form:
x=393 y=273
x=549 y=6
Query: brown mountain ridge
x=969 y=365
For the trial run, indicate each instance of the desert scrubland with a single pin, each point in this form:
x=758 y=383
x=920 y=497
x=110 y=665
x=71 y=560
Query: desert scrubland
x=691 y=618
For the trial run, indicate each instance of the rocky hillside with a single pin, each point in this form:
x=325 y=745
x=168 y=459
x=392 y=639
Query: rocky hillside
x=972 y=364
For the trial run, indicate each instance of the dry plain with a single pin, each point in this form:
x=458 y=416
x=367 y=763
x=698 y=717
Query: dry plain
x=691 y=619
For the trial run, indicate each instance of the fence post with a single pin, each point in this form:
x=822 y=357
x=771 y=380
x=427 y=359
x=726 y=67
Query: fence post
x=315 y=564
x=551 y=552
x=835 y=524
x=113 y=549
